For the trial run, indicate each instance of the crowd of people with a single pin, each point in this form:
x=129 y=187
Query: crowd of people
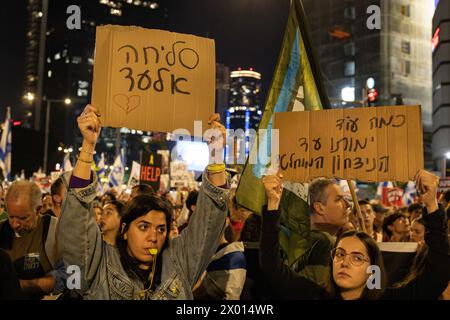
x=147 y=245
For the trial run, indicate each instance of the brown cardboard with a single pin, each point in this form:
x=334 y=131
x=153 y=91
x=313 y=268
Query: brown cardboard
x=185 y=63
x=354 y=144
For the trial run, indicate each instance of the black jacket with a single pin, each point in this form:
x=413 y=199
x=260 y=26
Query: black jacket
x=289 y=285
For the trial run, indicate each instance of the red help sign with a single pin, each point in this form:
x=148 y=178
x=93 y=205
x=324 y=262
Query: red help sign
x=392 y=197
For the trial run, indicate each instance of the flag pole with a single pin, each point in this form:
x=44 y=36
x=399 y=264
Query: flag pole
x=357 y=208
x=301 y=17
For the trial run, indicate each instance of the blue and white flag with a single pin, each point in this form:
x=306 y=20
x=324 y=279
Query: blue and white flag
x=117 y=173
x=5 y=146
x=67 y=165
x=410 y=193
x=100 y=169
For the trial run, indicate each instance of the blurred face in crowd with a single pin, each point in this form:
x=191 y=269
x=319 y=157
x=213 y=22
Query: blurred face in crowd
x=378 y=221
x=110 y=219
x=124 y=197
x=350 y=262
x=401 y=225
x=336 y=210
x=417 y=232
x=368 y=215
x=173 y=230
x=144 y=233
x=47 y=203
x=21 y=217
x=98 y=214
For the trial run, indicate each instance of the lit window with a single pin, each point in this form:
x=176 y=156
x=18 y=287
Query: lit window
x=49 y=73
x=83 y=84
x=82 y=92
x=406 y=11
x=57 y=56
x=406 y=47
x=76 y=60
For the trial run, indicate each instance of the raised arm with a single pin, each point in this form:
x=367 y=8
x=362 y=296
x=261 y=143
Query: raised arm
x=78 y=235
x=435 y=276
x=197 y=244
x=284 y=281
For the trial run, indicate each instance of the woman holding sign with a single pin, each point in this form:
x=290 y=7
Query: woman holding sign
x=145 y=264
x=356 y=256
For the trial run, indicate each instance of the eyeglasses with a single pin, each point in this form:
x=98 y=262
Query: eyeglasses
x=357 y=259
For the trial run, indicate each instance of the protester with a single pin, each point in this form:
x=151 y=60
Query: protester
x=329 y=214
x=30 y=240
x=58 y=191
x=354 y=253
x=141 y=189
x=225 y=275
x=48 y=206
x=418 y=230
x=368 y=216
x=396 y=227
x=98 y=210
x=191 y=205
x=415 y=211
x=108 y=197
x=110 y=221
x=145 y=264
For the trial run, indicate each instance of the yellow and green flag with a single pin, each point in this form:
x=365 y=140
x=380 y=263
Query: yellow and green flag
x=296 y=86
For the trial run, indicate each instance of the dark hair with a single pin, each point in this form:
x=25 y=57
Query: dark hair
x=57 y=186
x=414 y=206
x=144 y=189
x=191 y=199
x=375 y=259
x=110 y=195
x=120 y=207
x=364 y=202
x=252 y=229
x=45 y=194
x=137 y=207
x=447 y=196
x=389 y=220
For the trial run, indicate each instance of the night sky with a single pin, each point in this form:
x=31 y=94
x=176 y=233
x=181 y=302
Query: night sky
x=247 y=33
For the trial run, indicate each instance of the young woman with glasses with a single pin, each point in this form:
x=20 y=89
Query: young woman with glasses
x=356 y=264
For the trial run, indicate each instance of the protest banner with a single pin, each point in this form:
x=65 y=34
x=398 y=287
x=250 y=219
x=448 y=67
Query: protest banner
x=150 y=169
x=367 y=144
x=153 y=80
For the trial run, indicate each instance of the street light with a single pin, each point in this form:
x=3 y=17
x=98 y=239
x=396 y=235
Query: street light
x=67 y=101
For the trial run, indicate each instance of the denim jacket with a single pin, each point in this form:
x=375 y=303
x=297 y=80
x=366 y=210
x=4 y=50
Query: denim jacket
x=102 y=275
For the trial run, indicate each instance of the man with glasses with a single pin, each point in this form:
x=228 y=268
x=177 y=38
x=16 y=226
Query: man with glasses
x=29 y=239
x=330 y=210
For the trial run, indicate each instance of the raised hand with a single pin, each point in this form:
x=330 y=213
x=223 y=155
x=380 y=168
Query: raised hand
x=427 y=184
x=273 y=184
x=89 y=124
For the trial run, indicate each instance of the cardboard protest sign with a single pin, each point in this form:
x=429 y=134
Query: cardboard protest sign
x=368 y=144
x=153 y=80
x=150 y=169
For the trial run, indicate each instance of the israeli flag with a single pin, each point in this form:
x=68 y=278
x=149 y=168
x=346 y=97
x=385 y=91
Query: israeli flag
x=117 y=173
x=5 y=146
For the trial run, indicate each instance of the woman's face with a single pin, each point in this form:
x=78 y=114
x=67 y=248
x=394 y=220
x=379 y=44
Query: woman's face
x=350 y=264
x=146 y=232
x=98 y=214
x=110 y=219
x=417 y=232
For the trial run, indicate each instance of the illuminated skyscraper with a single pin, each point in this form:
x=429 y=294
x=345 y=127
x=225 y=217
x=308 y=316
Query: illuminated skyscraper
x=244 y=112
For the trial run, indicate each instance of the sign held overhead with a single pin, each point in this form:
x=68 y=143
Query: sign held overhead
x=368 y=144
x=153 y=80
